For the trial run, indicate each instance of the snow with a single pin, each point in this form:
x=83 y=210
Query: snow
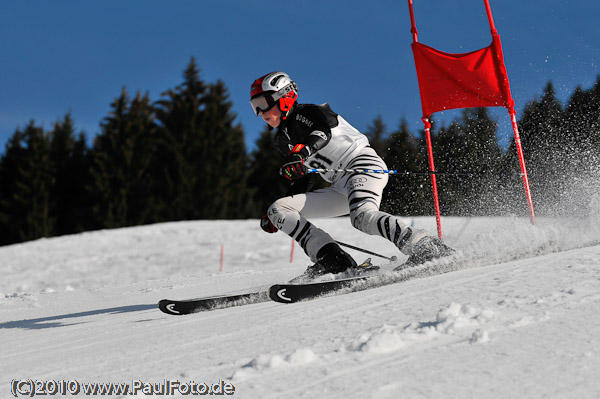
x=520 y=319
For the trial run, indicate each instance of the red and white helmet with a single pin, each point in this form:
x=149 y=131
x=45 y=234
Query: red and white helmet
x=273 y=88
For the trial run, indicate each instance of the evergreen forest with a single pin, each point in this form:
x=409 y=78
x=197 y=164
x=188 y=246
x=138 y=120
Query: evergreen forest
x=183 y=157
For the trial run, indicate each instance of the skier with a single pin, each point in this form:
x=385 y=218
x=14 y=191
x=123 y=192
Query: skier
x=314 y=136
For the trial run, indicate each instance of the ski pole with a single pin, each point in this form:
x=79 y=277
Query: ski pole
x=354 y=170
x=389 y=172
x=391 y=259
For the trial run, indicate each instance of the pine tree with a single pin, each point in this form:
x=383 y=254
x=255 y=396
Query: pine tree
x=578 y=157
x=69 y=155
x=595 y=122
x=14 y=155
x=180 y=117
x=264 y=178
x=544 y=142
x=482 y=162
x=222 y=181
x=468 y=154
x=205 y=155
x=122 y=162
x=405 y=193
x=27 y=177
x=376 y=134
x=448 y=152
x=581 y=115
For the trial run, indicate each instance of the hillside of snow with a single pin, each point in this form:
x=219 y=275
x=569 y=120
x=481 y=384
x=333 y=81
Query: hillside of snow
x=520 y=320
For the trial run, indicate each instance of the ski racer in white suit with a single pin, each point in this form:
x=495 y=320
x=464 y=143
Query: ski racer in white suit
x=314 y=136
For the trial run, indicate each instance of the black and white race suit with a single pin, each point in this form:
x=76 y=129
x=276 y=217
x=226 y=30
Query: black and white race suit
x=334 y=144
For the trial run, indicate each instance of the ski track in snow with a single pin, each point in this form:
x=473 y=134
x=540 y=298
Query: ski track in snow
x=518 y=319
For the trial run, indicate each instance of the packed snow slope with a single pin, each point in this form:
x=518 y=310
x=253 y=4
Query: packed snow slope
x=520 y=320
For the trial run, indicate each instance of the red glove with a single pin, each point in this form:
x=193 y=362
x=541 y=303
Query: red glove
x=294 y=167
x=266 y=225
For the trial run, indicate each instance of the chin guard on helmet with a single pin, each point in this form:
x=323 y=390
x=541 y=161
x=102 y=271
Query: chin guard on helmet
x=287 y=102
x=273 y=88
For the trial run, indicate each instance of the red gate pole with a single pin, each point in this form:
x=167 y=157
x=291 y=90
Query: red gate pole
x=413 y=25
x=436 y=202
x=425 y=119
x=497 y=47
x=488 y=10
x=513 y=119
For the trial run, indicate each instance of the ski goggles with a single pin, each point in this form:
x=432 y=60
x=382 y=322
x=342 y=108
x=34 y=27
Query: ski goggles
x=262 y=103
x=267 y=100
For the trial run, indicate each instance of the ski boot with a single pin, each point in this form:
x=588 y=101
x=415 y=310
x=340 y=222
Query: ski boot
x=422 y=247
x=332 y=259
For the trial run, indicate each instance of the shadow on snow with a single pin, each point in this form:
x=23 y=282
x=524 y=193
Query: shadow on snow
x=54 y=321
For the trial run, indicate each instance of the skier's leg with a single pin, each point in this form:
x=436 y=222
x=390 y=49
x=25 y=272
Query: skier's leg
x=419 y=244
x=364 y=192
x=289 y=214
x=369 y=219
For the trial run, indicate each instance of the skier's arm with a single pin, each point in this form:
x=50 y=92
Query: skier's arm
x=316 y=135
x=319 y=129
x=318 y=139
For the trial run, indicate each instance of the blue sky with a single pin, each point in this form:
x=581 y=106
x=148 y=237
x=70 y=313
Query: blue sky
x=60 y=56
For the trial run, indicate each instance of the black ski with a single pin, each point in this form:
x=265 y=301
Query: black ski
x=294 y=292
x=210 y=303
x=290 y=293
x=284 y=293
